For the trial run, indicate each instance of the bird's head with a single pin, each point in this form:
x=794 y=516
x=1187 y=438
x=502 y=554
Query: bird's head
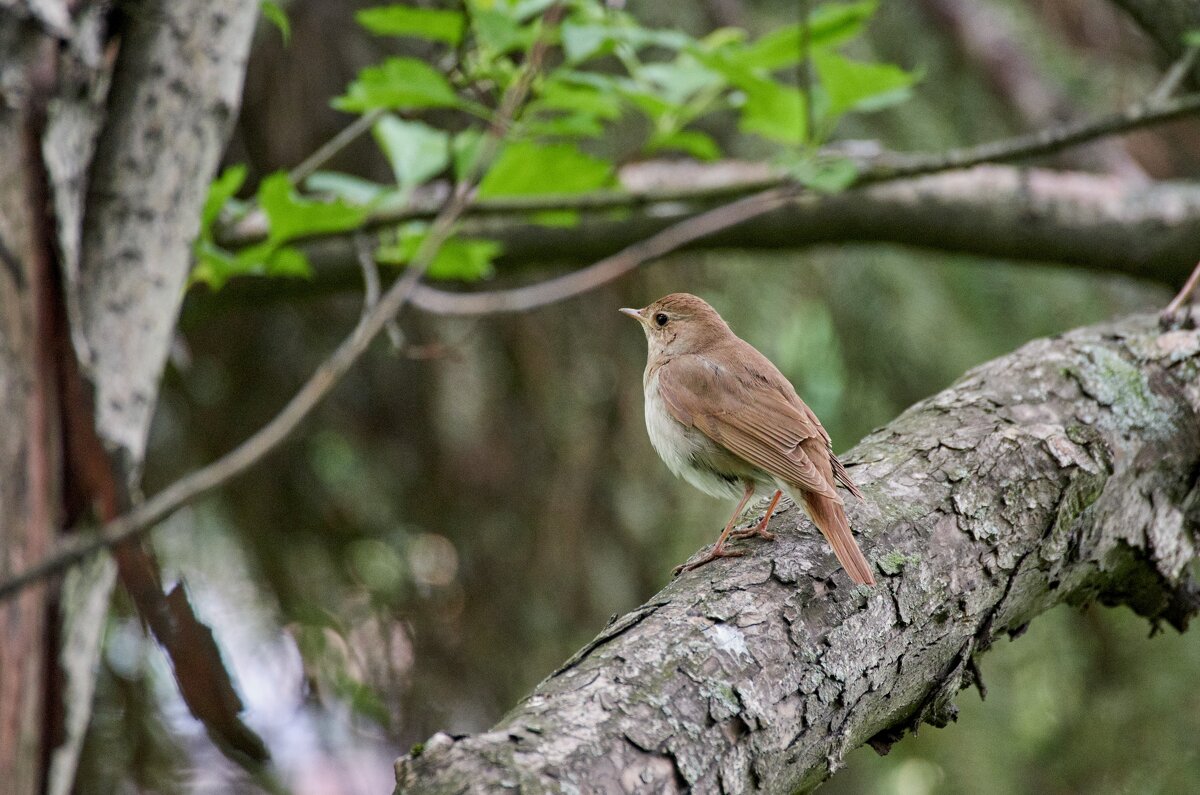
x=680 y=323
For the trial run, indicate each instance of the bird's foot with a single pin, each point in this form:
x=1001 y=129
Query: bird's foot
x=718 y=551
x=759 y=529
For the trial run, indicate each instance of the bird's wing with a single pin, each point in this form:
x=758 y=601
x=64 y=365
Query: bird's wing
x=843 y=477
x=840 y=475
x=753 y=421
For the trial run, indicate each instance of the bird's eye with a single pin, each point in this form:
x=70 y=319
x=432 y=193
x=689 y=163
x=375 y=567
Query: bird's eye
x=661 y=319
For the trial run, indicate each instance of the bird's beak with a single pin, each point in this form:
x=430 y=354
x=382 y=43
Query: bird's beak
x=636 y=314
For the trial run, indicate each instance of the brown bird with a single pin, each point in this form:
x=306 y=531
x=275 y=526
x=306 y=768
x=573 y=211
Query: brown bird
x=723 y=418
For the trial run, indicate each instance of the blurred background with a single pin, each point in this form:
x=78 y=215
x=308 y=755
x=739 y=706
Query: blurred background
x=457 y=520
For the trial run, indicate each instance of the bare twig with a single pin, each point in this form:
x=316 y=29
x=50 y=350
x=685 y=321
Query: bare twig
x=520 y=299
x=1174 y=76
x=270 y=436
x=334 y=145
x=372 y=287
x=1036 y=144
x=1169 y=316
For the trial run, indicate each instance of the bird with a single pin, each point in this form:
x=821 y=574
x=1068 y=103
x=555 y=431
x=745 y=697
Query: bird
x=722 y=417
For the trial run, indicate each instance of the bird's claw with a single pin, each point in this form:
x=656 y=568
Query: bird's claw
x=759 y=530
x=717 y=552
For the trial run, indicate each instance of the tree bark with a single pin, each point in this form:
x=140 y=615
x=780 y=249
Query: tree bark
x=28 y=473
x=100 y=195
x=1064 y=472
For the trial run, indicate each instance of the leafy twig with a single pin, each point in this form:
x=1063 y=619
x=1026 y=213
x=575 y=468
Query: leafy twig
x=878 y=168
x=572 y=284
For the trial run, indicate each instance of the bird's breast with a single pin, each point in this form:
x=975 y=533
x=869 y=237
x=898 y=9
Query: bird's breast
x=687 y=452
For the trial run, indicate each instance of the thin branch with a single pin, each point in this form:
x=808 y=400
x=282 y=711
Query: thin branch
x=372 y=288
x=334 y=146
x=328 y=374
x=1168 y=315
x=805 y=74
x=520 y=299
x=878 y=168
x=1037 y=144
x=1174 y=76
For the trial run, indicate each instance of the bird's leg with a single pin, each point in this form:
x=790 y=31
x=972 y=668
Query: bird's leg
x=760 y=529
x=1175 y=316
x=719 y=550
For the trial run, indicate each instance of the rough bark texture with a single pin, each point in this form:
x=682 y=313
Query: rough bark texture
x=176 y=92
x=1064 y=472
x=100 y=195
x=127 y=198
x=26 y=471
x=1093 y=221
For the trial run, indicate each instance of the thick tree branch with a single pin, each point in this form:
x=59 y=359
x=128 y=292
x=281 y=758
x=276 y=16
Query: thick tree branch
x=1064 y=472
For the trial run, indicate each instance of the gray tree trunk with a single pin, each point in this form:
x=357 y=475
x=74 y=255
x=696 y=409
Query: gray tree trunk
x=108 y=140
x=1064 y=472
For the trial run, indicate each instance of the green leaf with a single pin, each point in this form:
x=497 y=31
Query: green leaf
x=574 y=125
x=223 y=188
x=288 y=261
x=556 y=218
x=774 y=111
x=557 y=94
x=679 y=81
x=277 y=17
x=695 y=143
x=465 y=150
x=397 y=83
x=581 y=42
x=529 y=169
x=829 y=25
x=854 y=85
x=1192 y=38
x=415 y=151
x=215 y=266
x=525 y=9
x=355 y=190
x=291 y=217
x=498 y=33
x=824 y=174
x=423 y=23
x=464 y=259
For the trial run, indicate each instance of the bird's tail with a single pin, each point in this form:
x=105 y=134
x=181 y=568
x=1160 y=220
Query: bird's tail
x=830 y=518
